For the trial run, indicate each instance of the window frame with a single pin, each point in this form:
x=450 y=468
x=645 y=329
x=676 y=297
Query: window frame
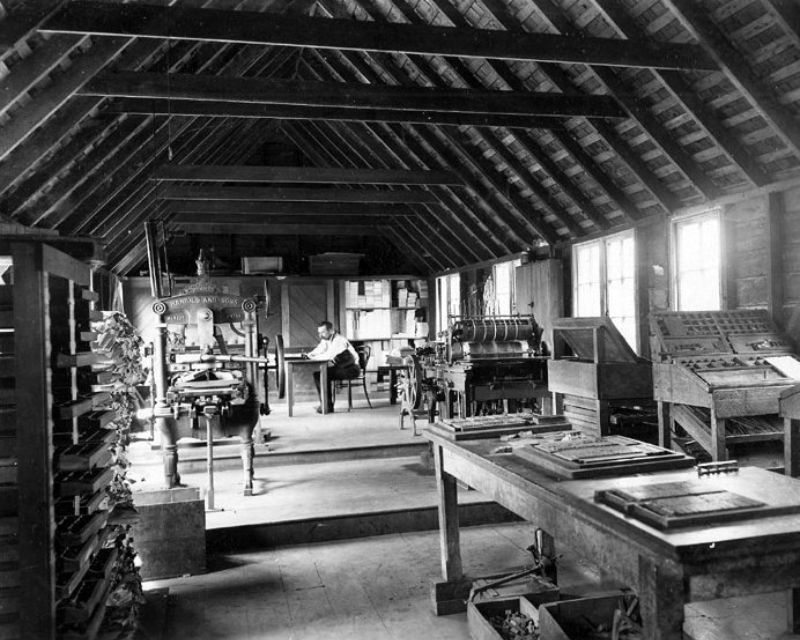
x=675 y=223
x=603 y=243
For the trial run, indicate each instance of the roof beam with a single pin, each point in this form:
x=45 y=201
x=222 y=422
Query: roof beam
x=284 y=194
x=56 y=94
x=226 y=109
x=221 y=207
x=421 y=228
x=685 y=94
x=737 y=70
x=306 y=229
x=311 y=150
x=348 y=95
x=22 y=22
x=641 y=113
x=558 y=76
x=313 y=175
x=150 y=21
x=518 y=235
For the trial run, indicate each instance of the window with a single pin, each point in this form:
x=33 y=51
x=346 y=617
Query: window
x=697 y=264
x=604 y=282
x=448 y=299
x=504 y=277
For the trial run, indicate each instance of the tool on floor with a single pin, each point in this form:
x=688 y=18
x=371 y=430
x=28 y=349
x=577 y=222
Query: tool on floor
x=544 y=562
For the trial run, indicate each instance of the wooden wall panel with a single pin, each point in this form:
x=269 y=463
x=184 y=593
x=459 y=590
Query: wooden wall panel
x=541 y=283
x=791 y=262
x=746 y=259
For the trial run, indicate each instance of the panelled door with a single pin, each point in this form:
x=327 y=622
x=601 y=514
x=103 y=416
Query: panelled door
x=303 y=307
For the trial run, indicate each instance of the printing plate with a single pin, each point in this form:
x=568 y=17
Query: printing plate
x=494 y=426
x=670 y=505
x=576 y=455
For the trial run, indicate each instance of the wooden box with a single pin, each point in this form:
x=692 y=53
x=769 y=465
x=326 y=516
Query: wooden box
x=570 y=619
x=479 y=614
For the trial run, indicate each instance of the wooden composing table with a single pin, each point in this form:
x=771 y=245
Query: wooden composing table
x=322 y=365
x=666 y=568
x=602 y=374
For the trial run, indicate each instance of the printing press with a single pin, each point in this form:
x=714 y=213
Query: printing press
x=719 y=375
x=206 y=372
x=488 y=365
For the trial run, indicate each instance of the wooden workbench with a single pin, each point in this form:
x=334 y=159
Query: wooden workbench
x=666 y=568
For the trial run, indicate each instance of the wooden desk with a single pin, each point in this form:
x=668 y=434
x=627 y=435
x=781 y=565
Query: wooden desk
x=666 y=568
x=322 y=365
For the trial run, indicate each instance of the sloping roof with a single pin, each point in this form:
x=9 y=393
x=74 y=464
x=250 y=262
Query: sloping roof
x=484 y=127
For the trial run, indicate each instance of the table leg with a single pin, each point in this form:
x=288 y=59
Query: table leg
x=664 y=425
x=392 y=386
x=661 y=599
x=793 y=610
x=323 y=387
x=791 y=447
x=718 y=428
x=449 y=596
x=290 y=388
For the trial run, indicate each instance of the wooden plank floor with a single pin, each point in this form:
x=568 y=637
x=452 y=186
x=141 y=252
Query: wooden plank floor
x=377 y=589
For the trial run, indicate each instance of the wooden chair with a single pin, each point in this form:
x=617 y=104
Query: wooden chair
x=364 y=352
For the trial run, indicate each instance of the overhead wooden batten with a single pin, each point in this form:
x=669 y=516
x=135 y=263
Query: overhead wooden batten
x=278 y=194
x=349 y=95
x=222 y=207
x=245 y=27
x=220 y=109
x=309 y=175
x=215 y=228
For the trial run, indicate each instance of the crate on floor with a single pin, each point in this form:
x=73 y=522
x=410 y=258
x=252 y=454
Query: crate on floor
x=582 y=617
x=513 y=602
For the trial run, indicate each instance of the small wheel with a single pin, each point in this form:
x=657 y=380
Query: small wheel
x=280 y=366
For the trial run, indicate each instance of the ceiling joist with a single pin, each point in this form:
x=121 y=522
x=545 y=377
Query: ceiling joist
x=309 y=175
x=219 y=109
x=222 y=207
x=245 y=27
x=348 y=95
x=285 y=194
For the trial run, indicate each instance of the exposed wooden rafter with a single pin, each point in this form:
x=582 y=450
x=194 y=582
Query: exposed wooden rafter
x=178 y=23
x=298 y=194
x=219 y=109
x=736 y=68
x=323 y=209
x=309 y=175
x=348 y=95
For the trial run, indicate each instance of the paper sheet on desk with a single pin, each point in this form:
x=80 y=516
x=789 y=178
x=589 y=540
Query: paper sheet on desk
x=787 y=365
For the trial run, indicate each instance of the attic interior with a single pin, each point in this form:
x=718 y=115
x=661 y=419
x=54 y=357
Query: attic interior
x=538 y=217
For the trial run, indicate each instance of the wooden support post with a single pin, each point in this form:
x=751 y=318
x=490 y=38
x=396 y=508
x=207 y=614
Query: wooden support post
x=664 y=424
x=661 y=598
x=793 y=610
x=775 y=217
x=791 y=447
x=718 y=429
x=603 y=413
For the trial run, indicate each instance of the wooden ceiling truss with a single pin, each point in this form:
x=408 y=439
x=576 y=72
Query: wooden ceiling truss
x=457 y=132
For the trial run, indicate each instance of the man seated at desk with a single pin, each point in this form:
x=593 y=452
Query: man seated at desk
x=342 y=359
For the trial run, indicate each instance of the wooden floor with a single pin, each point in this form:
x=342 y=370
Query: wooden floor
x=374 y=587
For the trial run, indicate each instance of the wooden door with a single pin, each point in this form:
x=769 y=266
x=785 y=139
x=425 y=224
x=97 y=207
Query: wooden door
x=303 y=306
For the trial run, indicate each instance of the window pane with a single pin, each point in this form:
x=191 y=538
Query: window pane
x=697 y=268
